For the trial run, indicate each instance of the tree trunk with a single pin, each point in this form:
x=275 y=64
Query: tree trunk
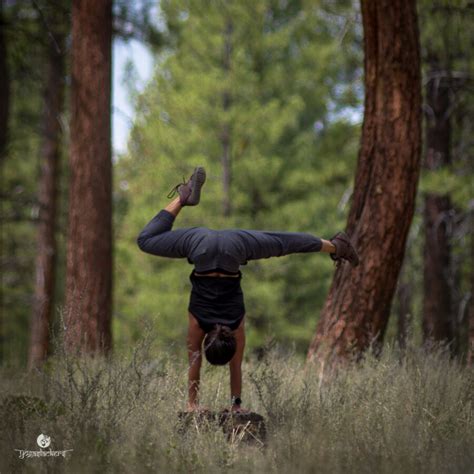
x=357 y=308
x=404 y=307
x=437 y=307
x=470 y=350
x=437 y=311
x=89 y=250
x=4 y=88
x=4 y=114
x=47 y=197
x=225 y=135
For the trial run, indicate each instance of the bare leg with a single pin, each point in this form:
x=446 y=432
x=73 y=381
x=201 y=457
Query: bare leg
x=174 y=206
x=328 y=247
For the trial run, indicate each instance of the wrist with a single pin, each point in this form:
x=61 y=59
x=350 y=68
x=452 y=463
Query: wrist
x=236 y=400
x=193 y=401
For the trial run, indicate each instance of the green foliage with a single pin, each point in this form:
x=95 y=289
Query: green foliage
x=292 y=154
x=447 y=181
x=411 y=414
x=446 y=43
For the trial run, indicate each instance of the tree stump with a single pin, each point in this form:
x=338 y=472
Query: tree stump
x=237 y=426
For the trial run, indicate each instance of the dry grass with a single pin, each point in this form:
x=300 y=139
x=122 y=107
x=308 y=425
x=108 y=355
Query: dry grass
x=121 y=416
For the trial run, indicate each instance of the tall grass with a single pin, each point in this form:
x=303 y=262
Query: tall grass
x=120 y=415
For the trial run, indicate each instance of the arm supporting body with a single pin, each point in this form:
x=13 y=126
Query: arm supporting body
x=194 y=342
x=195 y=338
x=235 y=365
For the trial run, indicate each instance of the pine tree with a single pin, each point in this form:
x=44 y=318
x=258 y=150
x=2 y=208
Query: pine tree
x=46 y=257
x=4 y=115
x=358 y=305
x=89 y=251
x=446 y=37
x=4 y=88
x=24 y=35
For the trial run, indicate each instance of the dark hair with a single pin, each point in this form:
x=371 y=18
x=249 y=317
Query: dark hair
x=219 y=345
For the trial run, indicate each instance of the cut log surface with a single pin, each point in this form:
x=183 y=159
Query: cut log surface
x=237 y=426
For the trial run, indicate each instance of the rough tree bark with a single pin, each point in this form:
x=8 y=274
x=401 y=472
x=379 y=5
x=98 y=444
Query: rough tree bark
x=437 y=305
x=89 y=249
x=357 y=308
x=47 y=198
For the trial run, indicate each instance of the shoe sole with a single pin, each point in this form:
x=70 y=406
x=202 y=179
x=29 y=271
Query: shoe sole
x=199 y=178
x=355 y=255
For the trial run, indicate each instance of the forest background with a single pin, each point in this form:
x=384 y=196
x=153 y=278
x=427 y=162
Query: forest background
x=272 y=106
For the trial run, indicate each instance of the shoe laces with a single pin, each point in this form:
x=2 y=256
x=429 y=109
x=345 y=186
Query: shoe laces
x=174 y=190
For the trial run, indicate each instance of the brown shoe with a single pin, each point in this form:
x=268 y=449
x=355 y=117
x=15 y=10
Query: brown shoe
x=344 y=250
x=190 y=192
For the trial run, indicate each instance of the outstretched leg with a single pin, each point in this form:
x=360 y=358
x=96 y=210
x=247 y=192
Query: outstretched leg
x=264 y=244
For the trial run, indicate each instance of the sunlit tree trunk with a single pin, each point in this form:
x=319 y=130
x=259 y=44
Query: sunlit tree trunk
x=437 y=305
x=357 y=308
x=47 y=197
x=89 y=247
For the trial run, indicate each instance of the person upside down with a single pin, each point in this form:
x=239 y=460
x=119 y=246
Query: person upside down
x=216 y=318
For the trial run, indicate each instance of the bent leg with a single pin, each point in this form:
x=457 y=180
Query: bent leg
x=157 y=238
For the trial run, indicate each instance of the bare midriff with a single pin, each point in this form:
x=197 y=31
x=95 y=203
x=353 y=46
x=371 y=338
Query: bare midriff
x=216 y=274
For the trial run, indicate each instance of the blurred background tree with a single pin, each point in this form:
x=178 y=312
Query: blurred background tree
x=25 y=49
x=50 y=151
x=441 y=238
x=30 y=34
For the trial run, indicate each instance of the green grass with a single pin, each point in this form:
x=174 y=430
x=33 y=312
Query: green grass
x=385 y=416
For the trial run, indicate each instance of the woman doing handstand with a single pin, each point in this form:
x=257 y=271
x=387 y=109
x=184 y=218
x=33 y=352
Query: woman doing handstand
x=216 y=306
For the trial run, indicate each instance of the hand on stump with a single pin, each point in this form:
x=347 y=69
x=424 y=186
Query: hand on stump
x=239 y=409
x=195 y=408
